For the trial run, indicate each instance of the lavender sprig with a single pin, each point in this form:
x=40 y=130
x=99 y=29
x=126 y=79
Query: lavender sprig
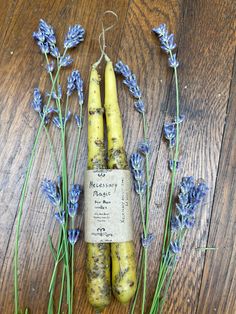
x=46 y=40
x=190 y=195
x=74 y=36
x=141 y=185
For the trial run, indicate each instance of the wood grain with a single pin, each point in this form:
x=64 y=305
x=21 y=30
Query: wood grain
x=218 y=284
x=204 y=282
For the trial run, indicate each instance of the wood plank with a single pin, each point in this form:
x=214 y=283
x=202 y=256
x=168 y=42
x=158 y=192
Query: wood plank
x=218 y=285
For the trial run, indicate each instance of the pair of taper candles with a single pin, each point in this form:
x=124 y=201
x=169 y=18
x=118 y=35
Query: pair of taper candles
x=109 y=266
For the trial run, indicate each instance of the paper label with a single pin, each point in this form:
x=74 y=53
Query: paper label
x=108 y=216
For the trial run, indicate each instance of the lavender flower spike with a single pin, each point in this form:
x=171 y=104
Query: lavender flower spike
x=37 y=101
x=48 y=32
x=167 y=43
x=74 y=36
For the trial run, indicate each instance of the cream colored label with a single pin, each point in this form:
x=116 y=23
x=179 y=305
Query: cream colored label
x=108 y=216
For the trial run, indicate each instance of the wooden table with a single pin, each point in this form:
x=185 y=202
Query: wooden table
x=205 y=280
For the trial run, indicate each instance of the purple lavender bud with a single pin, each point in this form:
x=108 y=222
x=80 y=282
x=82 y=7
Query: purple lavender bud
x=173 y=63
x=182 y=210
x=170 y=42
x=140 y=187
x=54 y=52
x=56 y=121
x=78 y=120
x=49 y=189
x=65 y=61
x=180 y=119
x=139 y=106
x=138 y=174
x=44 y=47
x=75 y=75
x=79 y=86
x=191 y=208
x=136 y=161
x=70 y=85
x=123 y=69
x=48 y=31
x=189 y=222
x=37 y=101
x=167 y=43
x=201 y=191
x=170 y=133
x=74 y=193
x=135 y=91
x=39 y=36
x=175 y=223
x=73 y=235
x=68 y=116
x=187 y=183
x=146 y=241
x=59 y=92
x=130 y=81
x=59 y=182
x=50 y=67
x=144 y=148
x=72 y=209
x=74 y=36
x=171 y=164
x=161 y=30
x=183 y=198
x=175 y=246
x=167 y=40
x=60 y=217
x=49 y=110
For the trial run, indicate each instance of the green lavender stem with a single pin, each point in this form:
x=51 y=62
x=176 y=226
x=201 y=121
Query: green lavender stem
x=73 y=219
x=64 y=193
x=62 y=289
x=52 y=152
x=139 y=282
x=77 y=145
x=176 y=156
x=161 y=279
x=144 y=278
x=163 y=270
x=22 y=200
x=167 y=288
x=146 y=229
